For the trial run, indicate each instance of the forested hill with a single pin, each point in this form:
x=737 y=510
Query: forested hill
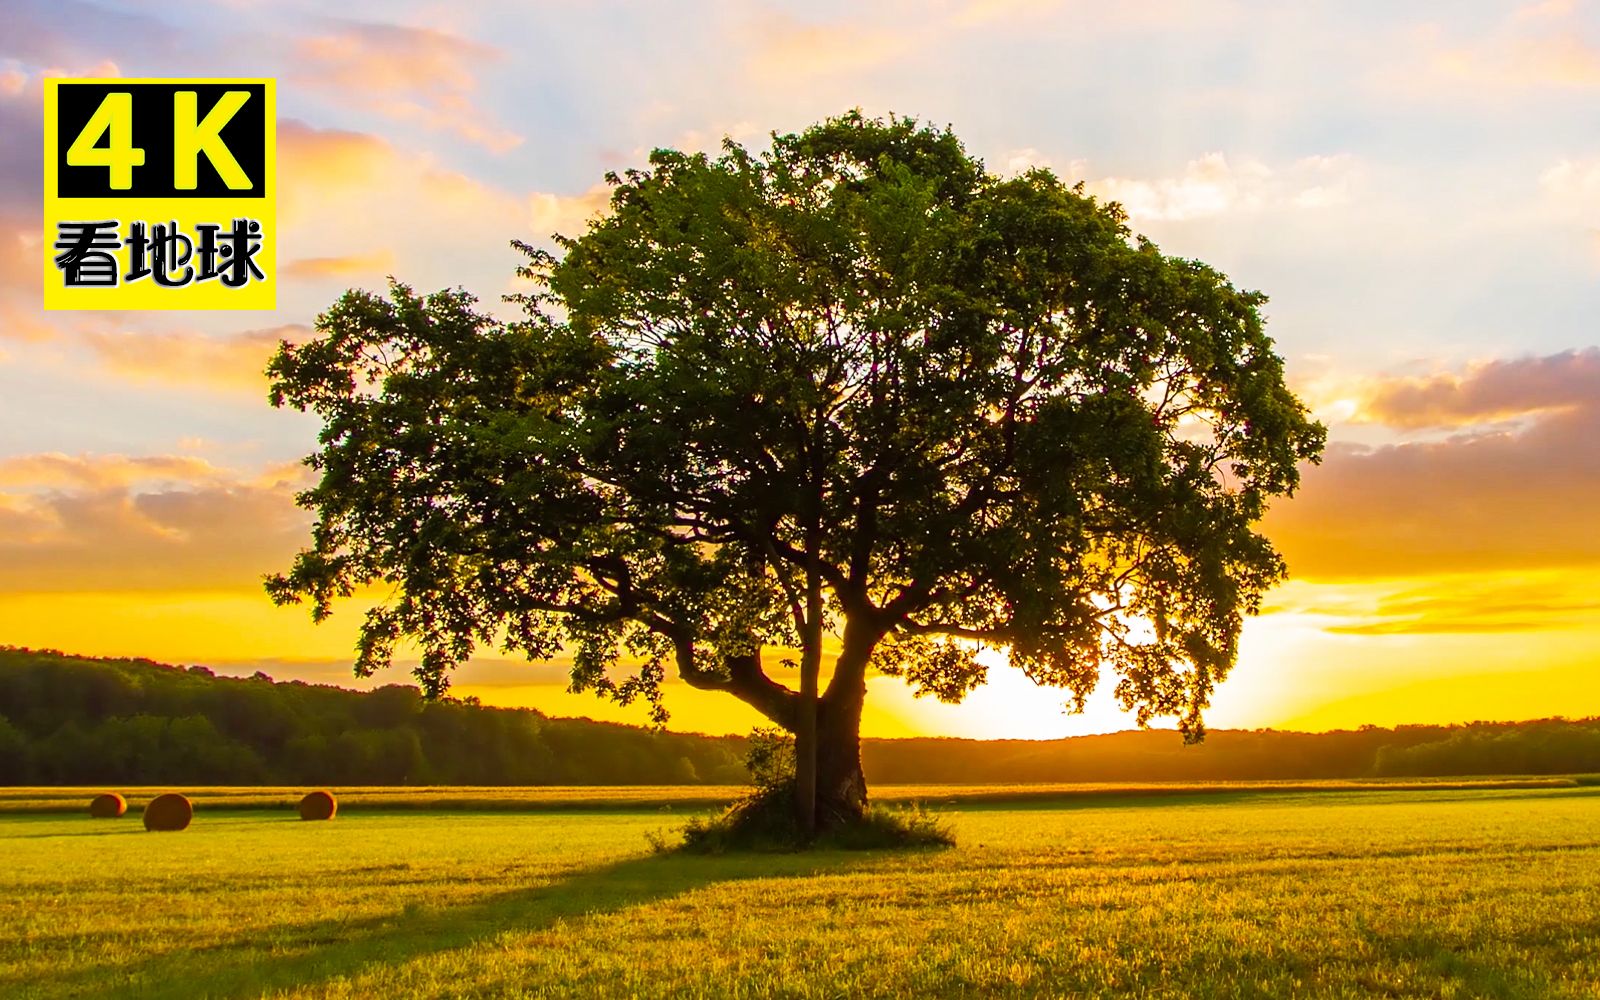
x=76 y=720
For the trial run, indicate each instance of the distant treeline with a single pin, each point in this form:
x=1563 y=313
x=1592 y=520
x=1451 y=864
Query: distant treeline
x=1549 y=746
x=75 y=720
x=79 y=721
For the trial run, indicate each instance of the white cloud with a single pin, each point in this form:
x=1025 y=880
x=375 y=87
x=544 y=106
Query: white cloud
x=1573 y=181
x=1214 y=184
x=1019 y=161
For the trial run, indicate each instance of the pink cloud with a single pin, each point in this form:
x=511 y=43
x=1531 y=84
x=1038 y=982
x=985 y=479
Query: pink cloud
x=228 y=362
x=162 y=522
x=1494 y=390
x=415 y=75
x=1488 y=499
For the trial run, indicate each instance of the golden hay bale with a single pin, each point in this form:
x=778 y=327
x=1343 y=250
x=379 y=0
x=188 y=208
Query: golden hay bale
x=318 y=805
x=108 y=806
x=168 y=812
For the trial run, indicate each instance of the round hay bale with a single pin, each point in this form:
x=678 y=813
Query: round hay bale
x=168 y=812
x=318 y=805
x=108 y=806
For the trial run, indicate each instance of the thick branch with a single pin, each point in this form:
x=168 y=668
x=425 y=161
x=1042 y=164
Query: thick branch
x=743 y=678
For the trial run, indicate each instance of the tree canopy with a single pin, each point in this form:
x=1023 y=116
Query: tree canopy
x=852 y=389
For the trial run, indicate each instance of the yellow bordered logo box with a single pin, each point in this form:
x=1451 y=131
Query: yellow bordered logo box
x=160 y=194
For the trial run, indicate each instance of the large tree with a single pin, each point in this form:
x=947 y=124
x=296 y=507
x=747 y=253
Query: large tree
x=852 y=398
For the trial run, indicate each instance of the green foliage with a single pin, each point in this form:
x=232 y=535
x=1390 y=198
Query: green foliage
x=765 y=821
x=16 y=757
x=769 y=757
x=1555 y=747
x=852 y=383
x=883 y=827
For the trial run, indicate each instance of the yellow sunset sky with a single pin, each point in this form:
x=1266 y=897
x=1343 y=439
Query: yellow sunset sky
x=1416 y=187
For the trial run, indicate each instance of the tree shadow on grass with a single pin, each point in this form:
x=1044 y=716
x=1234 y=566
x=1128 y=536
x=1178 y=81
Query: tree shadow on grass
x=314 y=953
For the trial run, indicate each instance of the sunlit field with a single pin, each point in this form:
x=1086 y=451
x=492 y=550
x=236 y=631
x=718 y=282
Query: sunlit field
x=1437 y=892
x=667 y=798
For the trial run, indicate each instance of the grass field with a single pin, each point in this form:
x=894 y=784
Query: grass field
x=666 y=798
x=1435 y=892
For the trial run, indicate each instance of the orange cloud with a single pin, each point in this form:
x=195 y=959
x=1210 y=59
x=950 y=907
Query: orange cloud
x=54 y=470
x=413 y=74
x=340 y=188
x=320 y=154
x=786 y=48
x=1546 y=8
x=1493 y=498
x=568 y=215
x=227 y=362
x=19 y=248
x=1492 y=391
x=23 y=323
x=1093 y=16
x=336 y=182
x=118 y=523
x=315 y=164
x=1471 y=603
x=1540 y=45
x=354 y=265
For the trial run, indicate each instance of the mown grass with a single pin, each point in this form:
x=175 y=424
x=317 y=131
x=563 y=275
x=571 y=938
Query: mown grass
x=1488 y=892
x=666 y=798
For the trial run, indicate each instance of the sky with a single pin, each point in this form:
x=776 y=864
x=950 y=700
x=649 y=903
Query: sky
x=1415 y=186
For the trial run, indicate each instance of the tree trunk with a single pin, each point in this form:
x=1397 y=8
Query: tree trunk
x=807 y=755
x=841 y=786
